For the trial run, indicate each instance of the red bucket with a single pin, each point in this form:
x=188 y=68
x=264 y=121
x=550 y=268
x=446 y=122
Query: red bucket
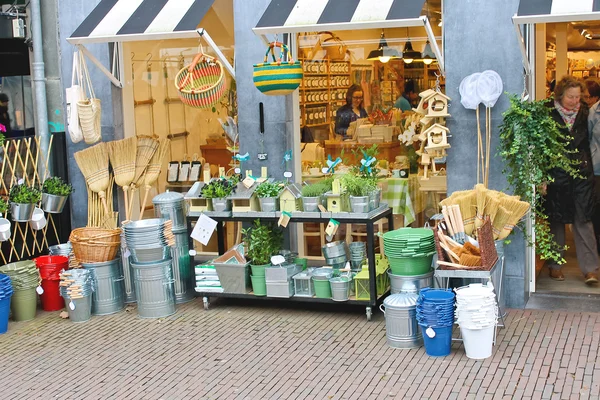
x=51 y=298
x=50 y=266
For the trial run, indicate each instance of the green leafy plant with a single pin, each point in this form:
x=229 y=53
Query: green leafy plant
x=3 y=205
x=57 y=187
x=219 y=188
x=262 y=241
x=314 y=190
x=269 y=189
x=357 y=186
x=23 y=194
x=531 y=145
x=359 y=154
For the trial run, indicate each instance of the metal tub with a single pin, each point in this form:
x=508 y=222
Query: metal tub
x=410 y=283
x=154 y=289
x=109 y=294
x=182 y=271
x=401 y=327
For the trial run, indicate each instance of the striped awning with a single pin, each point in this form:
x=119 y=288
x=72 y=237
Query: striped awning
x=548 y=11
x=283 y=16
x=128 y=20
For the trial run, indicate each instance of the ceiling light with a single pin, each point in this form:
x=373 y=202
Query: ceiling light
x=409 y=55
x=428 y=54
x=383 y=53
x=440 y=23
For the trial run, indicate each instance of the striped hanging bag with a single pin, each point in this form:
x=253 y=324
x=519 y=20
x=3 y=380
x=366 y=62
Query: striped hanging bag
x=278 y=77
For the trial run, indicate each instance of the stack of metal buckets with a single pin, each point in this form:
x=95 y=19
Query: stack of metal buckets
x=76 y=287
x=336 y=254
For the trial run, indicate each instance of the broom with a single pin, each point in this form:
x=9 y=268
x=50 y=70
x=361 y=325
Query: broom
x=518 y=208
x=503 y=216
x=93 y=163
x=154 y=168
x=122 y=154
x=468 y=209
x=481 y=193
x=146 y=147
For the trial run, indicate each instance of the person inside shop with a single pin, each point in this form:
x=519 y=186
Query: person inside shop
x=570 y=200
x=410 y=95
x=592 y=98
x=351 y=111
x=4 y=117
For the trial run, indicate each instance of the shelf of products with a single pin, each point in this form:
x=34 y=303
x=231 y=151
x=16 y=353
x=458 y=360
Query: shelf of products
x=323 y=90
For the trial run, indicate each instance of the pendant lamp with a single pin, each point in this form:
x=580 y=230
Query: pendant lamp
x=428 y=54
x=383 y=53
x=409 y=55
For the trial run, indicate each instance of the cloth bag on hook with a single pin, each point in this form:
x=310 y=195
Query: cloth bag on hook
x=73 y=96
x=89 y=108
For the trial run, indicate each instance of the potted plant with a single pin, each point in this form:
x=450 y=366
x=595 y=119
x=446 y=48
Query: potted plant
x=55 y=192
x=267 y=193
x=23 y=199
x=218 y=190
x=311 y=196
x=359 y=188
x=261 y=242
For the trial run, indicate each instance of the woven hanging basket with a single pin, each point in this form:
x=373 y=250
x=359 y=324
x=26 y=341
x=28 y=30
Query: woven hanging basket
x=202 y=83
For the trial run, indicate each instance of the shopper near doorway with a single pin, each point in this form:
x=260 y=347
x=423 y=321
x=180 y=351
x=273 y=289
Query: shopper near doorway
x=593 y=100
x=409 y=95
x=351 y=111
x=571 y=200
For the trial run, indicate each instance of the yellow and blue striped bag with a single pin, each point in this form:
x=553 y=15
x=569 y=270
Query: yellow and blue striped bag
x=278 y=77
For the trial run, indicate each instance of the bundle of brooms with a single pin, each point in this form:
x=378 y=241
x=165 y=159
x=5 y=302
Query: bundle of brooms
x=477 y=205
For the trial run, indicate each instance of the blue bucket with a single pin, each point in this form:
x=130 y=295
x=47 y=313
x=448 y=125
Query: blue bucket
x=437 y=296
x=440 y=344
x=4 y=310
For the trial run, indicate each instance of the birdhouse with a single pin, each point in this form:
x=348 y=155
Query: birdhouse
x=244 y=199
x=437 y=137
x=336 y=202
x=290 y=199
x=196 y=201
x=422 y=107
x=437 y=105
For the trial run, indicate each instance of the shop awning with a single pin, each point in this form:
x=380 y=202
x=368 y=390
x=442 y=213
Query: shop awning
x=129 y=20
x=542 y=11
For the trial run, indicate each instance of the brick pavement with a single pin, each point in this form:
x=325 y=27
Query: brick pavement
x=271 y=351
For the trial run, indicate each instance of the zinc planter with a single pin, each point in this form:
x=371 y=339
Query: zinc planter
x=374 y=199
x=311 y=204
x=221 y=205
x=268 y=204
x=21 y=212
x=359 y=204
x=52 y=203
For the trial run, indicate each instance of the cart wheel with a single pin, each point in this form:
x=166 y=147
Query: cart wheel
x=206 y=302
x=369 y=313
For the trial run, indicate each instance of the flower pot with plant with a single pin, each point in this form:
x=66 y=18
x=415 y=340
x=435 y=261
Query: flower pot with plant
x=261 y=242
x=218 y=190
x=55 y=192
x=268 y=193
x=23 y=199
x=358 y=188
x=311 y=196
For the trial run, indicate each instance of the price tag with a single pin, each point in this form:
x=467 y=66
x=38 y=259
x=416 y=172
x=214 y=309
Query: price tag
x=71 y=305
x=287 y=174
x=325 y=170
x=237 y=170
x=192 y=253
x=204 y=229
x=248 y=182
x=39 y=290
x=284 y=220
x=430 y=333
x=321 y=208
x=20 y=181
x=277 y=260
x=331 y=229
x=127 y=253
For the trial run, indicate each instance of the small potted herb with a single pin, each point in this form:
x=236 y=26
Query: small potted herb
x=218 y=190
x=261 y=242
x=359 y=188
x=311 y=196
x=22 y=202
x=55 y=192
x=267 y=193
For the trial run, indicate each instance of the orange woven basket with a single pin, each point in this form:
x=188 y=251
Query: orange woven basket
x=202 y=83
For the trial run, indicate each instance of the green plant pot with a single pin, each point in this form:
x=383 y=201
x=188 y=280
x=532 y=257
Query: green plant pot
x=259 y=285
x=24 y=304
x=408 y=266
x=322 y=289
x=258 y=270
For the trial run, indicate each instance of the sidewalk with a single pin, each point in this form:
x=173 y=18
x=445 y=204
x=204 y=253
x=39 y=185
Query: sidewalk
x=275 y=351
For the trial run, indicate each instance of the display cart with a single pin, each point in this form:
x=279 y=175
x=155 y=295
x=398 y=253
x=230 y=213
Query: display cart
x=367 y=219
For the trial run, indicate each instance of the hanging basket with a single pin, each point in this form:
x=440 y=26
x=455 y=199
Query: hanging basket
x=202 y=83
x=278 y=77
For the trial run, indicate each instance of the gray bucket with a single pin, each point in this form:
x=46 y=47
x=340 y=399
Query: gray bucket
x=182 y=271
x=83 y=308
x=109 y=294
x=154 y=288
x=127 y=275
x=401 y=327
x=410 y=284
x=269 y=204
x=221 y=205
x=359 y=204
x=53 y=204
x=335 y=249
x=374 y=199
x=170 y=205
x=340 y=288
x=311 y=204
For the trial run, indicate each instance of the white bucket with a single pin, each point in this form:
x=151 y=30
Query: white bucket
x=4 y=229
x=478 y=342
x=38 y=219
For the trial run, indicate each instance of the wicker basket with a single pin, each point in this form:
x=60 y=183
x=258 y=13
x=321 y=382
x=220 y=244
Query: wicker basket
x=202 y=83
x=92 y=245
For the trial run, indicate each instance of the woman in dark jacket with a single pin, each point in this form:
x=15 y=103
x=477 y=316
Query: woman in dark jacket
x=571 y=200
x=351 y=111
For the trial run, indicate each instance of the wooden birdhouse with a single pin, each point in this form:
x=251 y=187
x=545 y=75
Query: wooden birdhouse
x=422 y=107
x=336 y=202
x=437 y=137
x=196 y=201
x=244 y=199
x=290 y=199
x=437 y=105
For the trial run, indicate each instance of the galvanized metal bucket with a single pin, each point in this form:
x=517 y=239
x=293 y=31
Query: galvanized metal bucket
x=311 y=204
x=21 y=212
x=170 y=205
x=359 y=204
x=109 y=294
x=182 y=271
x=82 y=311
x=220 y=205
x=269 y=204
x=374 y=199
x=401 y=327
x=410 y=283
x=340 y=288
x=154 y=289
x=52 y=203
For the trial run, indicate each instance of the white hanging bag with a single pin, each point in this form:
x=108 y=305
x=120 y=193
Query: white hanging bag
x=89 y=108
x=74 y=94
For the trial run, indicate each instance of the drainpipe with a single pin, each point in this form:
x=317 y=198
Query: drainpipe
x=39 y=84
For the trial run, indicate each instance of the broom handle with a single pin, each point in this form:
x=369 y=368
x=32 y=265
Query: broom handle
x=126 y=197
x=143 y=205
x=133 y=190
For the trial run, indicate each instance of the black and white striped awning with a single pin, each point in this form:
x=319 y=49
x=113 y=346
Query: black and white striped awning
x=542 y=11
x=282 y=16
x=127 y=20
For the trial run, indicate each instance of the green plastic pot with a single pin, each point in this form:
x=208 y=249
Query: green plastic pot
x=411 y=265
x=259 y=270
x=301 y=261
x=322 y=289
x=23 y=304
x=259 y=285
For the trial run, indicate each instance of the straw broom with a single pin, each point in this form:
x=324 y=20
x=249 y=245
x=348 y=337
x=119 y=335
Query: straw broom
x=146 y=147
x=122 y=154
x=93 y=163
x=518 y=209
x=154 y=169
x=503 y=216
x=468 y=210
x=481 y=193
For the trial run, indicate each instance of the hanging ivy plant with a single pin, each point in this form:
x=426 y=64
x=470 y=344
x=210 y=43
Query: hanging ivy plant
x=531 y=145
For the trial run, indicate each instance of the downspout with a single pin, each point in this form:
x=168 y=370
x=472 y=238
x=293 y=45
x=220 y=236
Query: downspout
x=39 y=84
